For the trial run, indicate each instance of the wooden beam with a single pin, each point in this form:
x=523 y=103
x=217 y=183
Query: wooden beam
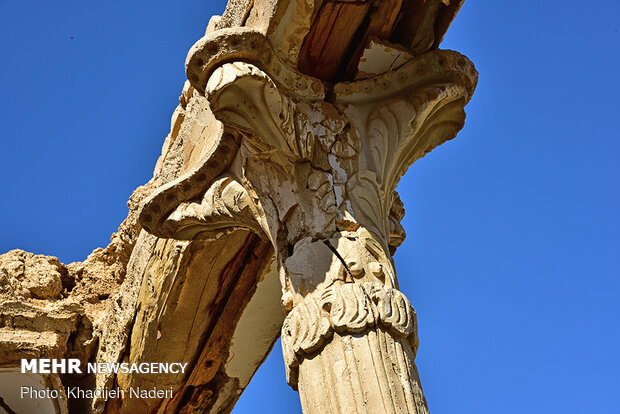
x=329 y=40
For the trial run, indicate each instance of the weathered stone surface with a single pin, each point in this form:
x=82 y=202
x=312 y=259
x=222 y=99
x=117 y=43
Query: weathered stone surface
x=380 y=57
x=316 y=177
x=29 y=330
x=274 y=196
x=31 y=276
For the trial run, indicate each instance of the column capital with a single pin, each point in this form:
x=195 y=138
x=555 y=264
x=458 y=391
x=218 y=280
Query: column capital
x=312 y=167
x=293 y=157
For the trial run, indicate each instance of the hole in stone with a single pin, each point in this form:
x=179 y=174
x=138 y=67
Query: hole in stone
x=212 y=49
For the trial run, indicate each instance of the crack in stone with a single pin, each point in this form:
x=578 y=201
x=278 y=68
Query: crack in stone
x=333 y=249
x=5 y=406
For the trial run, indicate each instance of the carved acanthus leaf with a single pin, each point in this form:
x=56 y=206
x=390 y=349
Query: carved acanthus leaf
x=226 y=206
x=350 y=308
x=426 y=119
x=400 y=116
x=217 y=156
x=244 y=97
x=397 y=231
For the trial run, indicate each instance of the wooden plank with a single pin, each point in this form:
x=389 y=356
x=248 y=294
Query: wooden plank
x=342 y=29
x=444 y=20
x=327 y=45
x=424 y=23
x=206 y=378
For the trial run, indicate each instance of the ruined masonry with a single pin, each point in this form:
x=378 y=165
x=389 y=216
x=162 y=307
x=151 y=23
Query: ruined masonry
x=272 y=211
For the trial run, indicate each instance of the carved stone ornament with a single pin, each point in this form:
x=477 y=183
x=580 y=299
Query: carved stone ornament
x=345 y=308
x=313 y=167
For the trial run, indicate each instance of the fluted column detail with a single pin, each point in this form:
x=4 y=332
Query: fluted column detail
x=372 y=372
x=354 y=344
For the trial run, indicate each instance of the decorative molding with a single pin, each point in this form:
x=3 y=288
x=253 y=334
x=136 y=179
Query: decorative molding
x=243 y=44
x=357 y=144
x=349 y=308
x=218 y=156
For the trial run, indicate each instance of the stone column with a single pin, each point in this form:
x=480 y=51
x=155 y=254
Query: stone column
x=312 y=167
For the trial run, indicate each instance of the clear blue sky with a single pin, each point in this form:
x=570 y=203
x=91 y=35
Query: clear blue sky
x=512 y=258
